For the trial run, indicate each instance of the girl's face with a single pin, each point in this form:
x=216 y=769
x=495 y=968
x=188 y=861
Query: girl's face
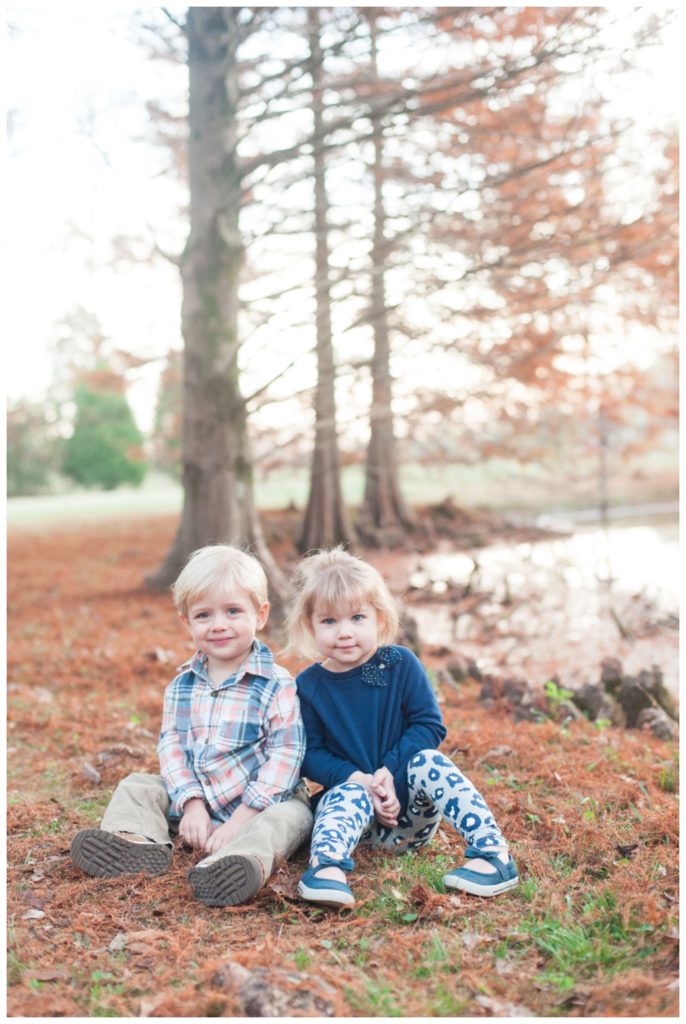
x=346 y=638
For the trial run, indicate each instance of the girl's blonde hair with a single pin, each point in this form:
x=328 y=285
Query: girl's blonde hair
x=334 y=580
x=219 y=565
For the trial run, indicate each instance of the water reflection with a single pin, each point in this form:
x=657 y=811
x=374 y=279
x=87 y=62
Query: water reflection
x=559 y=606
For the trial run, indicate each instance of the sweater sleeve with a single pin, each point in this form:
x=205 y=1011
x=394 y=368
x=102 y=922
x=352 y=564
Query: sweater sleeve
x=319 y=765
x=424 y=727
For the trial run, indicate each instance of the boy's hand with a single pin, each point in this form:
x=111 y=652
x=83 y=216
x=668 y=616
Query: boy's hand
x=230 y=829
x=384 y=798
x=195 y=825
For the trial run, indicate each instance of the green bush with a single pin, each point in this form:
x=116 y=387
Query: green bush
x=106 y=448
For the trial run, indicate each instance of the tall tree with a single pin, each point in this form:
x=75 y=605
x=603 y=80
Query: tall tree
x=33 y=447
x=218 y=501
x=384 y=511
x=167 y=427
x=326 y=520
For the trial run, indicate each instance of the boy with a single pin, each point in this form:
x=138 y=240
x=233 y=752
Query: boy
x=230 y=749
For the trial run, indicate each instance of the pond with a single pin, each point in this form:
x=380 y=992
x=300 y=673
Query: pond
x=559 y=606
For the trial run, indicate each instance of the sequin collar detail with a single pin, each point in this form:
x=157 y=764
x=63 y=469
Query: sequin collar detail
x=375 y=671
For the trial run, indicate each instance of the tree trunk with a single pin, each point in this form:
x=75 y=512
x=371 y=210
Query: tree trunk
x=383 y=512
x=326 y=520
x=218 y=502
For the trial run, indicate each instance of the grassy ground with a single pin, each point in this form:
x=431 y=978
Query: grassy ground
x=591 y=813
x=497 y=484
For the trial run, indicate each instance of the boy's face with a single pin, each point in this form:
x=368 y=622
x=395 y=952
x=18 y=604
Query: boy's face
x=223 y=625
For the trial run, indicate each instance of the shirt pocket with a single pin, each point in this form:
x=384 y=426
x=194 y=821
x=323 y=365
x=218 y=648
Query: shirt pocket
x=237 y=738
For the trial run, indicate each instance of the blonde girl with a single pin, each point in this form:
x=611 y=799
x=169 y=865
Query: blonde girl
x=372 y=728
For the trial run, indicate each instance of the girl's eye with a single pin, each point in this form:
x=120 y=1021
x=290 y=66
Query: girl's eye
x=328 y=622
x=359 y=617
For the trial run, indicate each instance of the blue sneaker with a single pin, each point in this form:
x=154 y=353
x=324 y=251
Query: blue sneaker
x=324 y=891
x=479 y=883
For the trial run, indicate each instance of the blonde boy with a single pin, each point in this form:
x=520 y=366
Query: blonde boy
x=230 y=749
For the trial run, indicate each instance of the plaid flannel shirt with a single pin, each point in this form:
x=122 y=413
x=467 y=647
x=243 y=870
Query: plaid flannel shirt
x=242 y=741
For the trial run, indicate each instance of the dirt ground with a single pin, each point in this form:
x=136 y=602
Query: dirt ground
x=591 y=813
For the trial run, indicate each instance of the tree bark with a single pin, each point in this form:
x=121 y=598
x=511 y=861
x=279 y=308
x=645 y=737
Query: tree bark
x=218 y=504
x=326 y=521
x=383 y=507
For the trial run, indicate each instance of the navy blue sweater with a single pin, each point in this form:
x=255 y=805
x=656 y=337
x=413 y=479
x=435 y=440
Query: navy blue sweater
x=380 y=713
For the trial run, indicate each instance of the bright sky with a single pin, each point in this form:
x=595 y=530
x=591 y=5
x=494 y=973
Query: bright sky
x=66 y=64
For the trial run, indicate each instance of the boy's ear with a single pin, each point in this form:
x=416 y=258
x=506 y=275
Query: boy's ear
x=262 y=615
x=185 y=620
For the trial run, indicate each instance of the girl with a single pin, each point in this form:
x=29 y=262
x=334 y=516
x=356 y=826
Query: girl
x=372 y=727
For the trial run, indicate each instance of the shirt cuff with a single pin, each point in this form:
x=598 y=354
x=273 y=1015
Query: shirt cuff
x=254 y=796
x=181 y=801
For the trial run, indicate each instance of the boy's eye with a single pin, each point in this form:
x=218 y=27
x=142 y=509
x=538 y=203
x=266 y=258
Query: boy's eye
x=233 y=611
x=201 y=615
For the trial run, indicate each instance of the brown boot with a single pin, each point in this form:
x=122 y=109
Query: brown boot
x=109 y=854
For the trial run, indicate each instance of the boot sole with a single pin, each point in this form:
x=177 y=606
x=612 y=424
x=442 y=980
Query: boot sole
x=106 y=855
x=226 y=882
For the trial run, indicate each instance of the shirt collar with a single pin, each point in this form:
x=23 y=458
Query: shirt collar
x=259 y=662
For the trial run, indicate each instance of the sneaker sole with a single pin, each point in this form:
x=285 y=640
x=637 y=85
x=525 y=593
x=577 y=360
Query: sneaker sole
x=474 y=889
x=227 y=882
x=325 y=898
x=106 y=855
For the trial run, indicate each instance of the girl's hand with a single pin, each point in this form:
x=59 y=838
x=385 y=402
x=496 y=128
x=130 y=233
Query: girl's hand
x=195 y=825
x=386 y=813
x=363 y=778
x=382 y=781
x=384 y=798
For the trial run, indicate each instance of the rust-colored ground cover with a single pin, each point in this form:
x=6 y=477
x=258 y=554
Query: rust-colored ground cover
x=591 y=814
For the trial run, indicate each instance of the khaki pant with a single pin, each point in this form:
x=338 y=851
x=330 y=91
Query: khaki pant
x=140 y=804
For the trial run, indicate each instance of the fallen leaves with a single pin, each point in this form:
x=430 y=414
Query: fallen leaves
x=151 y=940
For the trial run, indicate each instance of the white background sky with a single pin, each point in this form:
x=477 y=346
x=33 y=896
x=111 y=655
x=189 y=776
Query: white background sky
x=67 y=198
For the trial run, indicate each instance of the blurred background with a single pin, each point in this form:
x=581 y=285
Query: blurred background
x=458 y=234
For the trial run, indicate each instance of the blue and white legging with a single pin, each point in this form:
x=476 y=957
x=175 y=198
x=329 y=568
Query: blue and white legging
x=345 y=815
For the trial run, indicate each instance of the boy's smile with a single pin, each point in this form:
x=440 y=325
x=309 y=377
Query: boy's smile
x=223 y=626
x=346 y=639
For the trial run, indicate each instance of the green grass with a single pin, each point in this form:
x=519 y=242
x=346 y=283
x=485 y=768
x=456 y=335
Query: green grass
x=302 y=958
x=374 y=999
x=436 y=957
x=483 y=486
x=591 y=942
x=392 y=899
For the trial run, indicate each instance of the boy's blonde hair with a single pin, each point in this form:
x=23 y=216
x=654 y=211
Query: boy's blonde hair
x=334 y=580
x=219 y=565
